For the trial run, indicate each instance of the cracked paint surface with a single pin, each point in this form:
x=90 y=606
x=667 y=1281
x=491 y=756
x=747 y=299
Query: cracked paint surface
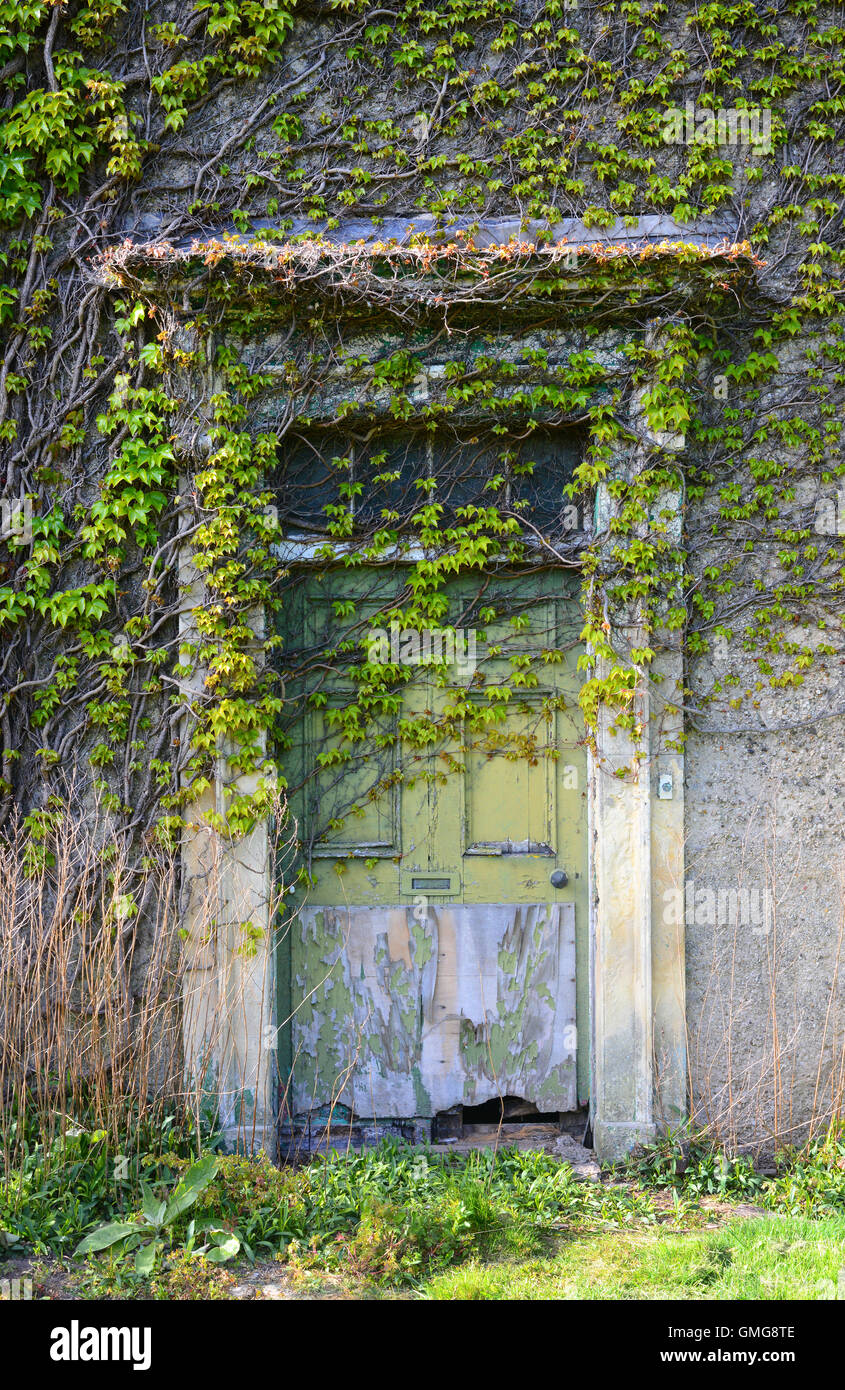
x=399 y=1017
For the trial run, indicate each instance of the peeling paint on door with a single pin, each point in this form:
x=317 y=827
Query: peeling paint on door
x=397 y=1017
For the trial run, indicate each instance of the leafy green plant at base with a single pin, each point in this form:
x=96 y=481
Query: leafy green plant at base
x=148 y=1237
x=810 y=1181
x=65 y=1182
x=178 y=1277
x=692 y=1165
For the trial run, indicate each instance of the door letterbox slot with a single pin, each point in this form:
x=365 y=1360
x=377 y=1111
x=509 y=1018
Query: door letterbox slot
x=417 y=881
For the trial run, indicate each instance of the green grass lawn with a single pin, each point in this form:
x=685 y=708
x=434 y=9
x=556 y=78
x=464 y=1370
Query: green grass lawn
x=765 y=1258
x=681 y=1221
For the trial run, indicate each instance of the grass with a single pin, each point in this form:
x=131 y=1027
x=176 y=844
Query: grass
x=401 y=1220
x=769 y=1258
x=766 y=1259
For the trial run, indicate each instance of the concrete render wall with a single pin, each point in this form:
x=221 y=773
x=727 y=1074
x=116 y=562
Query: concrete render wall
x=765 y=992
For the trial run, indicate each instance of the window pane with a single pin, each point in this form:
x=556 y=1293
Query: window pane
x=378 y=477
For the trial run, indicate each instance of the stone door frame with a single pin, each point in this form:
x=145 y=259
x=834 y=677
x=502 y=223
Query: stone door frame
x=637 y=965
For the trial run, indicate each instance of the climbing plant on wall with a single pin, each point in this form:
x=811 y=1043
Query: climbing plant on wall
x=171 y=176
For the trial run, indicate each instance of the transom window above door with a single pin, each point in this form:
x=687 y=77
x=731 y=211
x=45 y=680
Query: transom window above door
x=342 y=483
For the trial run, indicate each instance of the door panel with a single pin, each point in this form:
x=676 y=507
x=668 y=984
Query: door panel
x=509 y=800
x=432 y=961
x=339 y=798
x=404 y=1016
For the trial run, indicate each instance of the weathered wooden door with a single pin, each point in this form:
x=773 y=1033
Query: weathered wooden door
x=432 y=960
